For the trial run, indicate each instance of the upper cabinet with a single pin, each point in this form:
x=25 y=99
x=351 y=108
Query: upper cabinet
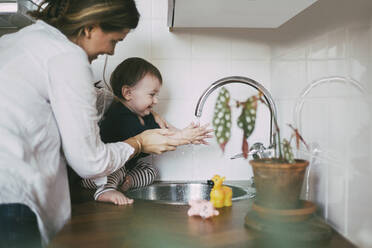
x=233 y=13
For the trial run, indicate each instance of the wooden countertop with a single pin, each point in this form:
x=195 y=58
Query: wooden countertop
x=147 y=224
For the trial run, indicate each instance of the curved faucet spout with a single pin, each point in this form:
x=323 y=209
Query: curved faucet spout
x=243 y=80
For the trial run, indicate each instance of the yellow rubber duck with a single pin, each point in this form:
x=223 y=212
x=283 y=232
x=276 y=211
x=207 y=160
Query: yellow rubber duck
x=220 y=194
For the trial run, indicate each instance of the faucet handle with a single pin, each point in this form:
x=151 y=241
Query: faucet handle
x=240 y=155
x=257 y=150
x=258 y=146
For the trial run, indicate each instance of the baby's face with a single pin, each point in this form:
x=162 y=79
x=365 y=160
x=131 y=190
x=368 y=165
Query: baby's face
x=144 y=95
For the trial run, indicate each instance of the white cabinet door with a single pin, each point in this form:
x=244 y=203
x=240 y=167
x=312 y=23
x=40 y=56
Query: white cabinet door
x=233 y=13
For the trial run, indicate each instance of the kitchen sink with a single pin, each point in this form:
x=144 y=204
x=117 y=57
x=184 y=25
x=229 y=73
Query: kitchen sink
x=179 y=193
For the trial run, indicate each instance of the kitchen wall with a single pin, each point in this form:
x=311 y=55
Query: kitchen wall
x=335 y=118
x=191 y=60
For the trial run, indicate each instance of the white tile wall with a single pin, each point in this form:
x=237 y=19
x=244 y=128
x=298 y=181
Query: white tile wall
x=136 y=44
x=336 y=44
x=169 y=45
x=336 y=116
x=319 y=48
x=175 y=86
x=336 y=195
x=285 y=61
x=289 y=77
x=210 y=45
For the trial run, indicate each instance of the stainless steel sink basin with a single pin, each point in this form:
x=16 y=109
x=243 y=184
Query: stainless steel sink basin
x=179 y=193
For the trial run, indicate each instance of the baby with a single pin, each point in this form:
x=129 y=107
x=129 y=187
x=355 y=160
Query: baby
x=135 y=84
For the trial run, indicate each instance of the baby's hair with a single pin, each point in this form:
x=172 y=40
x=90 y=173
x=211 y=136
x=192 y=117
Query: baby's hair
x=130 y=72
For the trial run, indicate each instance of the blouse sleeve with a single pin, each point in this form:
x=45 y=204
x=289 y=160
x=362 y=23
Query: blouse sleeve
x=73 y=100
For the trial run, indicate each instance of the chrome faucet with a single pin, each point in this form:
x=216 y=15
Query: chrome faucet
x=257 y=148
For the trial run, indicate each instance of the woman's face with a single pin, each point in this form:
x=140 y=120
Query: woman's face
x=96 y=42
x=143 y=96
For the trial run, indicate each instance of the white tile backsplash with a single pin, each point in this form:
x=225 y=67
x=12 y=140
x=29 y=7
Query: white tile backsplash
x=287 y=52
x=288 y=78
x=337 y=43
x=169 y=45
x=210 y=45
x=257 y=70
x=179 y=113
x=341 y=118
x=209 y=160
x=137 y=43
x=285 y=116
x=336 y=116
x=314 y=119
x=359 y=216
x=360 y=70
x=206 y=72
x=244 y=48
x=360 y=41
x=336 y=207
x=317 y=69
x=159 y=9
x=145 y=8
x=176 y=165
x=319 y=48
x=337 y=67
x=177 y=80
x=285 y=61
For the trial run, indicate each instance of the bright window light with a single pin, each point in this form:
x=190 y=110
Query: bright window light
x=8 y=7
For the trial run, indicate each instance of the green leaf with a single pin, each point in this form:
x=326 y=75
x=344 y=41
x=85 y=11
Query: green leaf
x=222 y=118
x=247 y=119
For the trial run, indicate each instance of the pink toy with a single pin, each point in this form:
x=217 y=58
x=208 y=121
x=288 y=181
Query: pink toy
x=203 y=208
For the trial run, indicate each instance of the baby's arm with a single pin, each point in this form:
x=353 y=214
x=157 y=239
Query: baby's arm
x=195 y=133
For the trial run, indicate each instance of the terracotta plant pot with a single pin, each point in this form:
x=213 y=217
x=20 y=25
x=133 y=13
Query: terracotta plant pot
x=278 y=184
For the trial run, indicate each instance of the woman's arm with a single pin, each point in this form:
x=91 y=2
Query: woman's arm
x=73 y=100
x=157 y=141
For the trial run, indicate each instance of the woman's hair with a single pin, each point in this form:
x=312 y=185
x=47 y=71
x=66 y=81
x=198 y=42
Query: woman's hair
x=130 y=72
x=72 y=16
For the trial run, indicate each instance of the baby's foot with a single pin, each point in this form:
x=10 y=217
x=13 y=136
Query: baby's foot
x=115 y=197
x=127 y=184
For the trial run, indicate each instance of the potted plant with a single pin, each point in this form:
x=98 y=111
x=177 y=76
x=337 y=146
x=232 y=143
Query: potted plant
x=278 y=179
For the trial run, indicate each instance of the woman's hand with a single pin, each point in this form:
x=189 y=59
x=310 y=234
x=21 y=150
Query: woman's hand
x=157 y=141
x=195 y=133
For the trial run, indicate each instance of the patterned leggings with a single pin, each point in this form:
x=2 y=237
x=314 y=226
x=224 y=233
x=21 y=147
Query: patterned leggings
x=142 y=175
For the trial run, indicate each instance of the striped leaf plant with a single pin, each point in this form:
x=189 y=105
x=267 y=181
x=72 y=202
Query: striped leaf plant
x=222 y=124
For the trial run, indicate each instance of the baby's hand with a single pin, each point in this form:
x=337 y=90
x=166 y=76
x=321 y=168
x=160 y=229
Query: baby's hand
x=196 y=134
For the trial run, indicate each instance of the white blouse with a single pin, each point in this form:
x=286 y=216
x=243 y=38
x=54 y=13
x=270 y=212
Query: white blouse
x=47 y=109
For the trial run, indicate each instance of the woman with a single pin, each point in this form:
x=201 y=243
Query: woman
x=47 y=106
